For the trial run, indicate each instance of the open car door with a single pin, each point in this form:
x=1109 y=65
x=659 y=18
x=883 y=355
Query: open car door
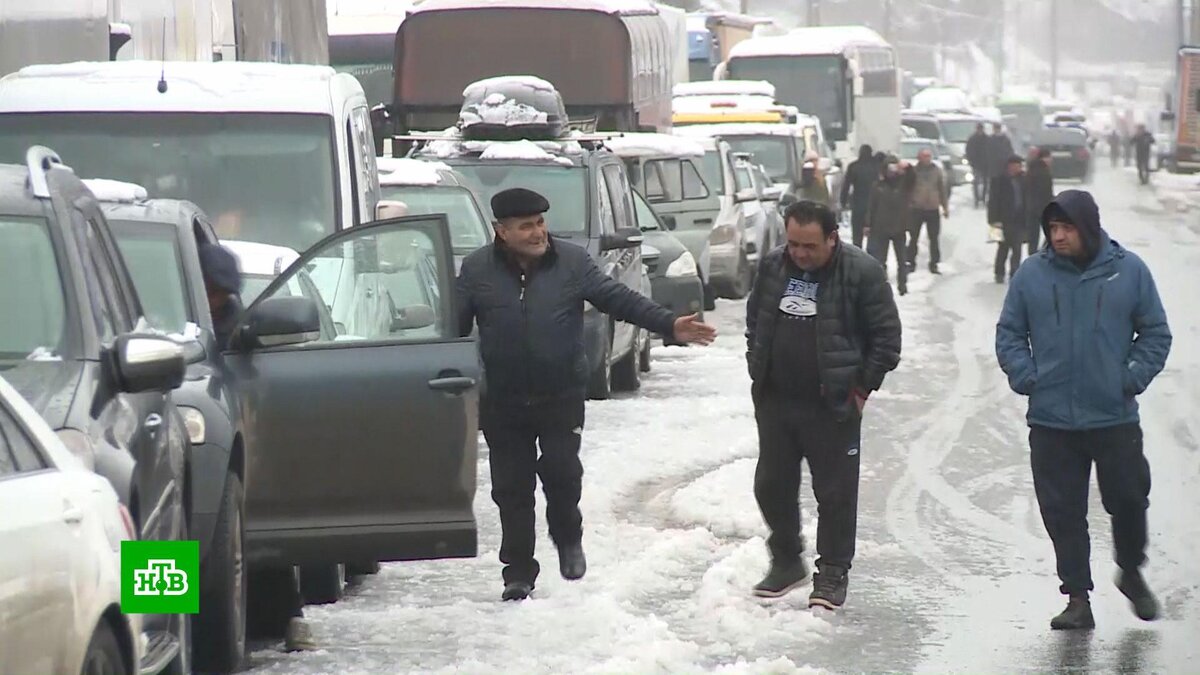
x=361 y=446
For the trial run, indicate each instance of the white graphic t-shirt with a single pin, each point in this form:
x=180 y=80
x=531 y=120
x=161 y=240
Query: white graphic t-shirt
x=799 y=298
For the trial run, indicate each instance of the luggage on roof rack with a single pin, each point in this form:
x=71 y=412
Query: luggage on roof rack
x=512 y=108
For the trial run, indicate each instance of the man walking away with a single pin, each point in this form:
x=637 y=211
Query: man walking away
x=1083 y=333
x=527 y=292
x=887 y=224
x=928 y=193
x=1000 y=148
x=977 y=157
x=1114 y=147
x=1041 y=192
x=1007 y=209
x=822 y=331
x=860 y=179
x=1141 y=143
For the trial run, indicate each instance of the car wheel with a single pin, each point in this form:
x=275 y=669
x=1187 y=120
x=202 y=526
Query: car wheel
x=362 y=569
x=322 y=584
x=221 y=625
x=103 y=655
x=272 y=601
x=710 y=297
x=600 y=383
x=627 y=373
x=644 y=357
x=182 y=628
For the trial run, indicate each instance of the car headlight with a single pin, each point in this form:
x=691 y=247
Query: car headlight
x=963 y=161
x=722 y=234
x=193 y=421
x=684 y=266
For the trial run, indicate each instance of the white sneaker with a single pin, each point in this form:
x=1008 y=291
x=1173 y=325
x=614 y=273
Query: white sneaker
x=299 y=636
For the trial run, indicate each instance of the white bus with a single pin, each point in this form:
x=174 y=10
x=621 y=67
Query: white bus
x=847 y=76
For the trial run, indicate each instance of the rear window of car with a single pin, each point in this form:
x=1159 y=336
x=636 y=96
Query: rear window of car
x=31 y=290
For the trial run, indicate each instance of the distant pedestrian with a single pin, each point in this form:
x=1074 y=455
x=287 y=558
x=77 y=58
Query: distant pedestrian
x=1041 y=192
x=1083 y=333
x=1114 y=147
x=1141 y=142
x=887 y=223
x=928 y=203
x=822 y=331
x=861 y=176
x=812 y=181
x=1008 y=204
x=977 y=157
x=1000 y=148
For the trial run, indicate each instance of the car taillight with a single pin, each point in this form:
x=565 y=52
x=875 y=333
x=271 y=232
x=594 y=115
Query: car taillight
x=722 y=235
x=1082 y=153
x=127 y=521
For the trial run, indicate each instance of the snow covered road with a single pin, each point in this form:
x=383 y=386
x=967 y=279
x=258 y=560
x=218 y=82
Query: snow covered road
x=954 y=571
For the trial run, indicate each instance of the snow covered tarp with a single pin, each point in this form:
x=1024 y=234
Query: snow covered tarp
x=409 y=172
x=107 y=190
x=654 y=145
x=725 y=88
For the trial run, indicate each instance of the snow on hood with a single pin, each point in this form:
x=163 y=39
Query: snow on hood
x=395 y=171
x=106 y=190
x=654 y=145
x=725 y=88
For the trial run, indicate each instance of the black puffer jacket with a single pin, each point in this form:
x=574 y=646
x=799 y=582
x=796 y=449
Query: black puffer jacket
x=858 y=330
x=531 y=331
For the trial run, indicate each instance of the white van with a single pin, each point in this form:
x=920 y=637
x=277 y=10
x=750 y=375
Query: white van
x=274 y=153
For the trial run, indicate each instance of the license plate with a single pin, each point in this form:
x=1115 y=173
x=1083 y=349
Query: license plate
x=1061 y=154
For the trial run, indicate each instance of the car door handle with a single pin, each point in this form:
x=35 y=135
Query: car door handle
x=153 y=423
x=453 y=385
x=704 y=221
x=72 y=515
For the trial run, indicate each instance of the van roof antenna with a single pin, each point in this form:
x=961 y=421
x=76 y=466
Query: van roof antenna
x=162 y=78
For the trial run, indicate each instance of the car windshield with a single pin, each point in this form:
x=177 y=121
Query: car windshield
x=151 y=252
x=911 y=150
x=253 y=285
x=814 y=84
x=564 y=187
x=772 y=152
x=260 y=177
x=958 y=131
x=31 y=291
x=468 y=229
x=925 y=128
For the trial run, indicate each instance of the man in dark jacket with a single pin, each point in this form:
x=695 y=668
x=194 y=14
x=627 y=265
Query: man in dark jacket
x=1008 y=198
x=822 y=331
x=860 y=179
x=1083 y=333
x=977 y=157
x=1000 y=148
x=887 y=224
x=1041 y=192
x=1141 y=142
x=1114 y=147
x=223 y=284
x=527 y=292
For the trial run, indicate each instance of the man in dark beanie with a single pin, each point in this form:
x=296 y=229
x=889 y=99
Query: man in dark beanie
x=527 y=292
x=223 y=283
x=1082 y=334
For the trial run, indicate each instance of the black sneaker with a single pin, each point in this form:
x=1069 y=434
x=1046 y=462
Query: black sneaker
x=933 y=269
x=517 y=590
x=1077 y=615
x=571 y=562
x=1133 y=586
x=829 y=587
x=782 y=579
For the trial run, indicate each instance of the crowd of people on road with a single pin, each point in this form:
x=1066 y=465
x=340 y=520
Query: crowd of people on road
x=1127 y=148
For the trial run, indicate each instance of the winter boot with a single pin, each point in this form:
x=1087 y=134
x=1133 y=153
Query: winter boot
x=516 y=590
x=829 y=587
x=298 y=637
x=782 y=579
x=1077 y=615
x=571 y=562
x=933 y=268
x=1133 y=586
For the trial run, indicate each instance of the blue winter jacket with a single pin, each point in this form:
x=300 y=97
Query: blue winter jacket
x=1082 y=344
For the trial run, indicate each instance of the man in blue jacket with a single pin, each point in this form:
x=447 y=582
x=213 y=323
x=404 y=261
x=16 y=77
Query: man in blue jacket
x=1082 y=333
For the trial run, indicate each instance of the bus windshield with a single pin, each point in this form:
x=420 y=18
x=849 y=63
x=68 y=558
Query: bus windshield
x=814 y=84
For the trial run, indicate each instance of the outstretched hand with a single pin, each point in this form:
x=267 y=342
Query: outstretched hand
x=692 y=330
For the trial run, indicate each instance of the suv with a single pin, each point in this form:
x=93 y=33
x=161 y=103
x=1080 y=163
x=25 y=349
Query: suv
x=590 y=205
x=159 y=240
x=73 y=342
x=433 y=187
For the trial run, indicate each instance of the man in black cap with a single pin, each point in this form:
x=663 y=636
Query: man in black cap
x=223 y=284
x=527 y=291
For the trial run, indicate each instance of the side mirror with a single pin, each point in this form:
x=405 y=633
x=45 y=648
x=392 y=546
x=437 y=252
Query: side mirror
x=193 y=352
x=773 y=194
x=626 y=238
x=390 y=208
x=414 y=317
x=147 y=363
x=1166 y=116
x=747 y=195
x=280 y=321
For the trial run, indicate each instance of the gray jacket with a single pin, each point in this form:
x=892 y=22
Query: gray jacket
x=531 y=324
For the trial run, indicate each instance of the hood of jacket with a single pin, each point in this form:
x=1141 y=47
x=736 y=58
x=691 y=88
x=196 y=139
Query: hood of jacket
x=1081 y=208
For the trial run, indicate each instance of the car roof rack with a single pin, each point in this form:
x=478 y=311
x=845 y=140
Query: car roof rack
x=38 y=160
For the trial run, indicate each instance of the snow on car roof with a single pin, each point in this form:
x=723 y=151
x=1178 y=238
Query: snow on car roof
x=697 y=22
x=106 y=190
x=724 y=87
x=654 y=145
x=396 y=171
x=118 y=86
x=738 y=129
x=521 y=150
x=365 y=24
x=260 y=259
x=622 y=7
x=731 y=104
x=808 y=41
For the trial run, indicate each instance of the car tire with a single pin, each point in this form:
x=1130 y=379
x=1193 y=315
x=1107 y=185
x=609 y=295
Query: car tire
x=271 y=594
x=322 y=584
x=182 y=663
x=103 y=655
x=627 y=373
x=600 y=382
x=710 y=297
x=220 y=630
x=362 y=569
x=644 y=357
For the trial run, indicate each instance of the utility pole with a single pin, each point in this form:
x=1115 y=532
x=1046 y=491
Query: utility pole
x=744 y=6
x=1054 y=48
x=814 y=13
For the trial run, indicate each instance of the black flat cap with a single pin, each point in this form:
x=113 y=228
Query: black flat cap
x=518 y=203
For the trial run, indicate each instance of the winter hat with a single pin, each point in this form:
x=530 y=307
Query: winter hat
x=1055 y=211
x=220 y=268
